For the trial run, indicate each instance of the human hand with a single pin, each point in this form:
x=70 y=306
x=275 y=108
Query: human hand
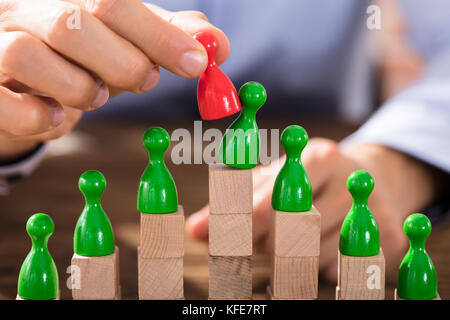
x=59 y=58
x=402 y=186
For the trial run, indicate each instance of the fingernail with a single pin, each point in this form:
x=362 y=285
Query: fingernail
x=151 y=80
x=193 y=62
x=102 y=96
x=58 y=116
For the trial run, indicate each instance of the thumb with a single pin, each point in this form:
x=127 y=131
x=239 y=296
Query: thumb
x=197 y=224
x=192 y=22
x=319 y=160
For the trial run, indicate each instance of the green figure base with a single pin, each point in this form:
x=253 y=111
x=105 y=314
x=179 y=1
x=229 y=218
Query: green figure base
x=417 y=278
x=38 y=277
x=93 y=235
x=240 y=144
x=359 y=233
x=157 y=192
x=292 y=189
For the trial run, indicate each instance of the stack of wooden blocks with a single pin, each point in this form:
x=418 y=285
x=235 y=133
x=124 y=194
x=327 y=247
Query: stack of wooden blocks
x=361 y=278
x=295 y=246
x=95 y=278
x=160 y=256
x=230 y=232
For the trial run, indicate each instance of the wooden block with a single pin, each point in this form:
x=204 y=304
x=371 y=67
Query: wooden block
x=270 y=296
x=230 y=278
x=294 y=277
x=230 y=234
x=361 y=278
x=230 y=190
x=162 y=235
x=295 y=234
x=160 y=279
x=98 y=277
x=396 y=297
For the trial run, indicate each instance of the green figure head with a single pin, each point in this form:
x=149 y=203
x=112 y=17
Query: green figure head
x=252 y=96
x=240 y=144
x=93 y=233
x=294 y=139
x=417 y=277
x=157 y=192
x=292 y=189
x=359 y=233
x=38 y=277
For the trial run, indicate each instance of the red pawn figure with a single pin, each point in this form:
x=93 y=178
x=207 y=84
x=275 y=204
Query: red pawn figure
x=216 y=95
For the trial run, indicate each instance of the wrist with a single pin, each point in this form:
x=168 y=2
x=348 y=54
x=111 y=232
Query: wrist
x=11 y=149
x=410 y=182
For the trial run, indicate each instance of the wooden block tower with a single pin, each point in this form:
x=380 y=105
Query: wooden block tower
x=161 y=250
x=361 y=264
x=417 y=279
x=230 y=232
x=231 y=201
x=294 y=226
x=95 y=263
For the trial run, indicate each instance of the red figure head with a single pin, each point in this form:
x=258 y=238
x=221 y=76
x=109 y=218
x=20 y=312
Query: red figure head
x=216 y=94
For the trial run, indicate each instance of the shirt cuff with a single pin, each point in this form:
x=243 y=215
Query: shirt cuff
x=21 y=168
x=412 y=128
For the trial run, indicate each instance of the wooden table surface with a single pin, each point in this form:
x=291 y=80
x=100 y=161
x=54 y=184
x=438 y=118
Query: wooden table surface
x=116 y=150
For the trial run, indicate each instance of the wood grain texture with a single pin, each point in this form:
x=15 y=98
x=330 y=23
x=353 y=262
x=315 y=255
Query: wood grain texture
x=230 y=190
x=270 y=296
x=361 y=278
x=160 y=279
x=230 y=278
x=230 y=234
x=162 y=235
x=294 y=277
x=396 y=297
x=295 y=234
x=98 y=277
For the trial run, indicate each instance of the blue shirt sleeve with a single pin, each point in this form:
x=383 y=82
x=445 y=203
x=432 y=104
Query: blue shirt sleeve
x=417 y=121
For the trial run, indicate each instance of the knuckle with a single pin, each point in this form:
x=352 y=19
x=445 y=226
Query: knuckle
x=162 y=40
x=59 y=27
x=103 y=9
x=135 y=71
x=198 y=14
x=18 y=45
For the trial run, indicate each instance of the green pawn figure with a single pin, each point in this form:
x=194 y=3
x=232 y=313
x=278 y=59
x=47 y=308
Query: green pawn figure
x=157 y=192
x=359 y=233
x=292 y=189
x=93 y=235
x=240 y=144
x=417 y=277
x=38 y=278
